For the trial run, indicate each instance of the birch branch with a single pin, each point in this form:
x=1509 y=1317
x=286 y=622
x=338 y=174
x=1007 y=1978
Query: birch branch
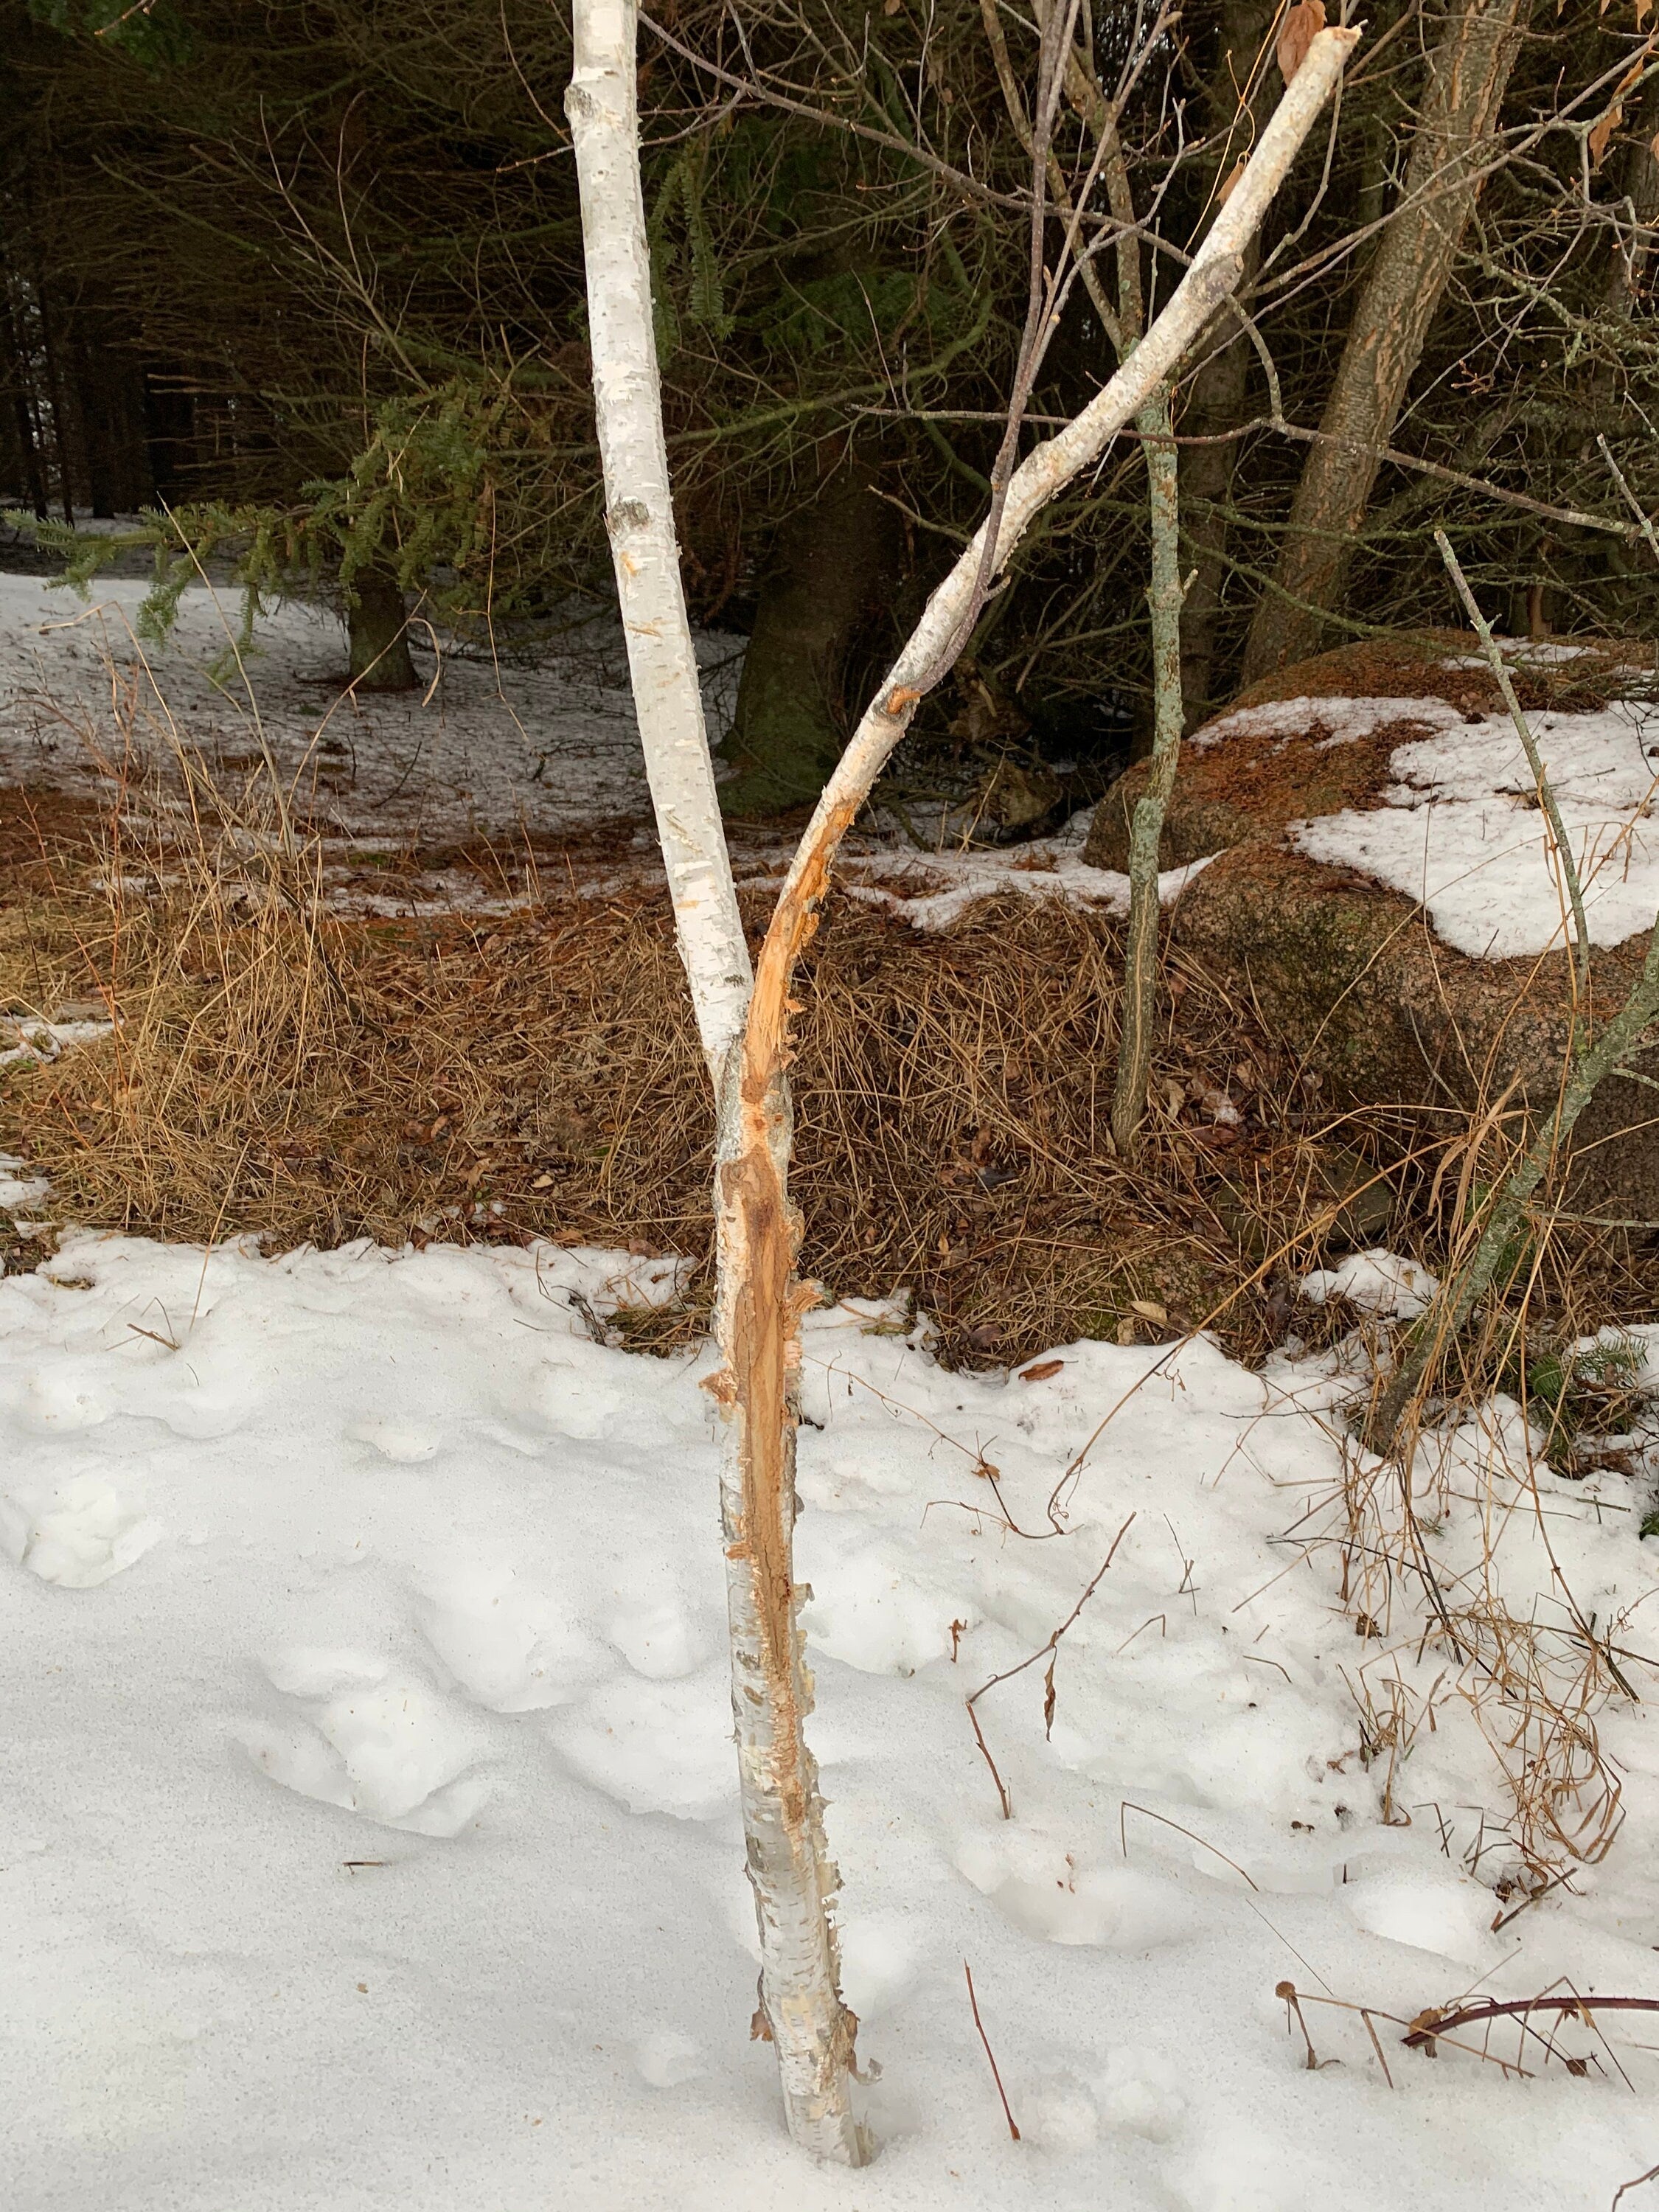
x=1045 y=473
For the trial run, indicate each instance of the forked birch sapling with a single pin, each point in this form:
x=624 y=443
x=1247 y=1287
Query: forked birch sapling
x=759 y=1301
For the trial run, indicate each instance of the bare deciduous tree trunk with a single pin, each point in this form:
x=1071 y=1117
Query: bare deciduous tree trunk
x=1468 y=70
x=760 y=1302
x=1217 y=395
x=1138 y=998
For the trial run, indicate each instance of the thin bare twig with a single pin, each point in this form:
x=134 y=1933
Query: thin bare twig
x=1428 y=2026
x=1007 y=2112
x=1047 y=1650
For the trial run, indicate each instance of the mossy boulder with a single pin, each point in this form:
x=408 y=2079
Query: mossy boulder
x=1351 y=975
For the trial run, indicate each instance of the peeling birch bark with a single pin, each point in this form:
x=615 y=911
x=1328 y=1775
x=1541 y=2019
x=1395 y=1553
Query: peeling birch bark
x=757 y=1231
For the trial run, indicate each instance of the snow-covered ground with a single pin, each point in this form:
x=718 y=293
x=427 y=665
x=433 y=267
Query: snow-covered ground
x=368 y=1834
x=501 y=751
x=490 y=751
x=551 y=749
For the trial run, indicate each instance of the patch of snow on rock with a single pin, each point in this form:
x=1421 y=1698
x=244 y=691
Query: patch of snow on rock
x=1377 y=1282
x=1462 y=830
x=1343 y=720
x=933 y=890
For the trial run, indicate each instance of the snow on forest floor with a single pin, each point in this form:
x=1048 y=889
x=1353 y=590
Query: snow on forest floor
x=552 y=749
x=515 y=756
x=528 y=753
x=370 y=1834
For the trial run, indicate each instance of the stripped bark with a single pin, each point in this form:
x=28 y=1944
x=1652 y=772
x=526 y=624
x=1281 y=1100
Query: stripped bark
x=1468 y=71
x=760 y=1305
x=759 y=1302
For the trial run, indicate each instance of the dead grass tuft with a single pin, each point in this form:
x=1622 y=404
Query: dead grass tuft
x=1454 y=1549
x=315 y=1076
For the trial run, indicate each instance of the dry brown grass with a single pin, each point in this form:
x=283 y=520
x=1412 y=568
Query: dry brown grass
x=315 y=1077
x=1451 y=1545
x=282 y=1067
x=1488 y=1633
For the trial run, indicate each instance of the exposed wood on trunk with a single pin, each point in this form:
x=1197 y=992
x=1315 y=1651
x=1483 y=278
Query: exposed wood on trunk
x=1468 y=70
x=758 y=1320
x=759 y=1302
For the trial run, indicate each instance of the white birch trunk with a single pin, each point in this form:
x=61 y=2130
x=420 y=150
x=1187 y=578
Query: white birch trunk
x=639 y=515
x=758 y=1230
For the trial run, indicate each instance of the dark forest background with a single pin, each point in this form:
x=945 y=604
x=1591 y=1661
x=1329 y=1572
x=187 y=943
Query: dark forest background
x=305 y=277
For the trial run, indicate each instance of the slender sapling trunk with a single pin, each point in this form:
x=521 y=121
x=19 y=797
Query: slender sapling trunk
x=1135 y=1050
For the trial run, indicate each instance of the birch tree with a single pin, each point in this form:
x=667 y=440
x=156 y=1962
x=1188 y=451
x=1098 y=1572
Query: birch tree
x=744 y=1025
